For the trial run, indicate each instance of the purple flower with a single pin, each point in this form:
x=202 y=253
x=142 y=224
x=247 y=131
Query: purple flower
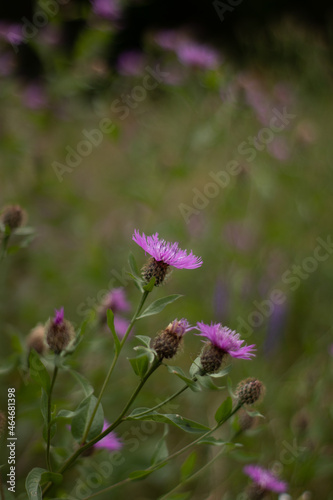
x=180 y=327
x=12 y=33
x=121 y=325
x=265 y=479
x=111 y=442
x=201 y=56
x=169 y=253
x=226 y=340
x=117 y=301
x=59 y=316
x=34 y=96
x=168 y=39
x=106 y=8
x=130 y=63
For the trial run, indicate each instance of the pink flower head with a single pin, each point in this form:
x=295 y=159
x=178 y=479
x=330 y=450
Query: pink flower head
x=265 y=479
x=59 y=316
x=226 y=340
x=117 y=301
x=121 y=325
x=201 y=56
x=111 y=442
x=169 y=253
x=179 y=327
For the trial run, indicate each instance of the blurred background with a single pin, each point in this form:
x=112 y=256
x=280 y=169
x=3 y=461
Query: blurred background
x=209 y=123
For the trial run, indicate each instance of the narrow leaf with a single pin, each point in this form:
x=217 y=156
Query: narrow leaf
x=161 y=451
x=149 y=286
x=37 y=476
x=224 y=410
x=158 y=305
x=146 y=340
x=85 y=384
x=110 y=320
x=133 y=265
x=140 y=364
x=188 y=466
x=169 y=418
x=141 y=474
x=179 y=373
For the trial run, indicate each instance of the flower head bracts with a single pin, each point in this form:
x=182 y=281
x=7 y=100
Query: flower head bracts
x=226 y=340
x=265 y=479
x=169 y=253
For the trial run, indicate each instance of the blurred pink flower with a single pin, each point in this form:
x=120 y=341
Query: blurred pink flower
x=265 y=479
x=11 y=32
x=111 y=442
x=194 y=54
x=131 y=63
x=109 y=9
x=34 y=96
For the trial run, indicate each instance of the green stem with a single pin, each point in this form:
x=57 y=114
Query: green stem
x=107 y=431
x=173 y=396
x=55 y=372
x=173 y=455
x=5 y=242
x=112 y=366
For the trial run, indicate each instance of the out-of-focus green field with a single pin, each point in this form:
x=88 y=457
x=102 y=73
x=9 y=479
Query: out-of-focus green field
x=251 y=233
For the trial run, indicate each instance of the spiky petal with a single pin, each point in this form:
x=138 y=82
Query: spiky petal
x=265 y=479
x=226 y=340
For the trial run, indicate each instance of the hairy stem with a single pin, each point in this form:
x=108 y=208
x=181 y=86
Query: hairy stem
x=55 y=372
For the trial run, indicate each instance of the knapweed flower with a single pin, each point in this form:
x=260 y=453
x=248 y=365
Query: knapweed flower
x=264 y=481
x=167 y=342
x=13 y=216
x=221 y=341
x=111 y=442
x=59 y=332
x=249 y=391
x=163 y=255
x=116 y=301
x=36 y=339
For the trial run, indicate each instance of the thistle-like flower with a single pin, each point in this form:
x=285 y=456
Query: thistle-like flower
x=59 y=332
x=249 y=391
x=167 y=343
x=221 y=341
x=264 y=481
x=163 y=255
x=116 y=301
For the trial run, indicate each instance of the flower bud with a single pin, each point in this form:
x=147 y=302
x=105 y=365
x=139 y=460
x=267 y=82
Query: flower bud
x=249 y=391
x=156 y=269
x=59 y=332
x=245 y=421
x=13 y=216
x=36 y=339
x=211 y=358
x=167 y=343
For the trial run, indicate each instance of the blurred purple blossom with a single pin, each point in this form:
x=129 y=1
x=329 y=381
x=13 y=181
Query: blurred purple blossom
x=12 y=33
x=7 y=64
x=168 y=39
x=131 y=63
x=221 y=299
x=276 y=324
x=108 y=9
x=239 y=236
x=111 y=442
x=117 y=301
x=201 y=56
x=121 y=325
x=34 y=96
x=279 y=148
x=265 y=479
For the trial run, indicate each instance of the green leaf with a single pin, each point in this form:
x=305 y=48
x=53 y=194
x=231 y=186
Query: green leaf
x=158 y=305
x=195 y=367
x=229 y=386
x=221 y=373
x=149 y=286
x=188 y=466
x=141 y=474
x=82 y=416
x=37 y=476
x=133 y=265
x=179 y=373
x=206 y=382
x=161 y=451
x=254 y=413
x=213 y=441
x=24 y=231
x=169 y=418
x=110 y=320
x=140 y=364
x=85 y=384
x=146 y=340
x=38 y=371
x=137 y=281
x=224 y=410
x=67 y=414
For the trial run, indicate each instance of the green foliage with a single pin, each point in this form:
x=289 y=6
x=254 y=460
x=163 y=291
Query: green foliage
x=82 y=417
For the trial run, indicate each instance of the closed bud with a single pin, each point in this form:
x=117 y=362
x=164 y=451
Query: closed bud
x=36 y=339
x=167 y=343
x=59 y=332
x=155 y=269
x=249 y=391
x=245 y=421
x=13 y=216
